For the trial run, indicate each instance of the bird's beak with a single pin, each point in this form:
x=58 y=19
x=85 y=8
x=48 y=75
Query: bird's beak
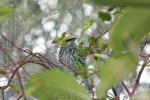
x=57 y=39
x=53 y=41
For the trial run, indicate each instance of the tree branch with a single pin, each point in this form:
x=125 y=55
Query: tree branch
x=21 y=85
x=137 y=79
x=3 y=94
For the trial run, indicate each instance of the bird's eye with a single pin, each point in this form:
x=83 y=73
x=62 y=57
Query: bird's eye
x=68 y=40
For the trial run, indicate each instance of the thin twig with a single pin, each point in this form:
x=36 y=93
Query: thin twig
x=19 y=98
x=103 y=33
x=21 y=85
x=20 y=64
x=137 y=79
x=3 y=94
x=126 y=88
x=28 y=51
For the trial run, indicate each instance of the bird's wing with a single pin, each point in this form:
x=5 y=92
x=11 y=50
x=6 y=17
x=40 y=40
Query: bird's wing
x=80 y=62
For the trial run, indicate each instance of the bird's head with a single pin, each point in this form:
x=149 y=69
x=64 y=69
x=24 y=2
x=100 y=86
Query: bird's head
x=64 y=40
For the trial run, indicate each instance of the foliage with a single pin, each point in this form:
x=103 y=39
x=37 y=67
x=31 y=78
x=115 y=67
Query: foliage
x=125 y=34
x=122 y=3
x=129 y=27
x=104 y=16
x=6 y=11
x=58 y=85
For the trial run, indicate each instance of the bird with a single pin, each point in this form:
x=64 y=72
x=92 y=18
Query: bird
x=71 y=57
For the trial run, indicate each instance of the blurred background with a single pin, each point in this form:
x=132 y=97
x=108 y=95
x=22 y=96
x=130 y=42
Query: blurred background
x=33 y=24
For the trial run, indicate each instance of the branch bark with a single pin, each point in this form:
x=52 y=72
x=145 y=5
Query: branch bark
x=135 y=86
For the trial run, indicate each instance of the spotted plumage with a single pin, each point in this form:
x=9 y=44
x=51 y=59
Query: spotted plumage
x=71 y=57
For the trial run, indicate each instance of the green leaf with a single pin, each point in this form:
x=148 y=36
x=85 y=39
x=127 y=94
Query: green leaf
x=2 y=71
x=130 y=28
x=56 y=85
x=114 y=70
x=87 y=24
x=84 y=1
x=104 y=16
x=133 y=3
x=84 y=51
x=6 y=11
x=15 y=87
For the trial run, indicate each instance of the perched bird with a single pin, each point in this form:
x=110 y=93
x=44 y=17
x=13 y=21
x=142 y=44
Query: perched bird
x=71 y=57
